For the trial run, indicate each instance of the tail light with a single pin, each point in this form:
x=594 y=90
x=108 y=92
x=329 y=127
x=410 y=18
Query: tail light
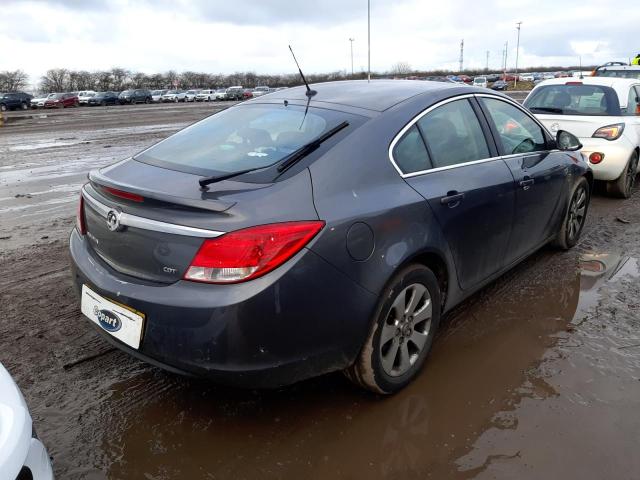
x=596 y=157
x=134 y=197
x=250 y=253
x=610 y=132
x=81 y=224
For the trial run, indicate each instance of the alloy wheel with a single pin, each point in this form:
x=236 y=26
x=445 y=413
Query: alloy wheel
x=577 y=211
x=405 y=330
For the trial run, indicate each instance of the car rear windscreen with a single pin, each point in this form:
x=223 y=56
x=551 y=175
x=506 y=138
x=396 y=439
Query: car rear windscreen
x=576 y=99
x=635 y=73
x=243 y=137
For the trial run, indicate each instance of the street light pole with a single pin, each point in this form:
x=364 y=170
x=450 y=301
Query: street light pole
x=368 y=40
x=351 y=41
x=515 y=82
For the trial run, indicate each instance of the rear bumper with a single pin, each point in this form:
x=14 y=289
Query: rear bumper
x=616 y=156
x=301 y=320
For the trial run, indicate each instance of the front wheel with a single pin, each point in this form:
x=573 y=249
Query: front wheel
x=575 y=217
x=402 y=333
x=623 y=186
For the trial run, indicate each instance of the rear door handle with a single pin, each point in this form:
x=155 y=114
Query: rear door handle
x=525 y=184
x=452 y=199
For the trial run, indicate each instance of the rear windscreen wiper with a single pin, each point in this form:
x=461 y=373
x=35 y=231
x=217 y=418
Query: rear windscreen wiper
x=288 y=161
x=547 y=109
x=309 y=147
x=218 y=178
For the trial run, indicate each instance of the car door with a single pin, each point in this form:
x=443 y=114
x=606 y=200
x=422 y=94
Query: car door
x=633 y=111
x=448 y=156
x=12 y=101
x=539 y=171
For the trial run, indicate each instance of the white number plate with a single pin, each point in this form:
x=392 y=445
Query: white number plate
x=120 y=322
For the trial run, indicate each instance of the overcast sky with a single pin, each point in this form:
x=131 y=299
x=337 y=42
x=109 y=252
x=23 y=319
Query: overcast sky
x=242 y=35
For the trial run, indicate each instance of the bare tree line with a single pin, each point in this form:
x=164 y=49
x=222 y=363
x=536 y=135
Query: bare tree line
x=118 y=79
x=11 y=81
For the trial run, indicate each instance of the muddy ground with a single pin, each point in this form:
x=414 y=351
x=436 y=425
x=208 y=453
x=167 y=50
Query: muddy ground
x=536 y=376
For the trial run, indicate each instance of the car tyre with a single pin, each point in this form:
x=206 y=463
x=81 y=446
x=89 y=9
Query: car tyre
x=623 y=186
x=175 y=100
x=404 y=324
x=3 y=108
x=24 y=106
x=575 y=216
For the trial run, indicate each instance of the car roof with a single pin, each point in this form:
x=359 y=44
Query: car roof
x=377 y=95
x=620 y=85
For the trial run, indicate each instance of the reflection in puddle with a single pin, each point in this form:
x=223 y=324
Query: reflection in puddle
x=497 y=354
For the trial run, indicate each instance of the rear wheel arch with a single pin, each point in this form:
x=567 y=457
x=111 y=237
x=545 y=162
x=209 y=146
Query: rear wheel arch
x=437 y=264
x=589 y=176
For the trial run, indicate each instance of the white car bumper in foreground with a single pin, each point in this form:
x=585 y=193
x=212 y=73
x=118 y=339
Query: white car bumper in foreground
x=18 y=449
x=616 y=156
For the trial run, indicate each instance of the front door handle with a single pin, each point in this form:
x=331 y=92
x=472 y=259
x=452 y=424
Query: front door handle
x=526 y=183
x=452 y=199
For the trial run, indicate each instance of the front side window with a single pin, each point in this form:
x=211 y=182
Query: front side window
x=517 y=132
x=453 y=134
x=410 y=153
x=244 y=137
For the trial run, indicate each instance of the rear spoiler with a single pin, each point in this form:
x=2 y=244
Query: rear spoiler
x=204 y=203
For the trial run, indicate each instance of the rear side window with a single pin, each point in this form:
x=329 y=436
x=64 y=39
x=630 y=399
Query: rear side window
x=410 y=153
x=574 y=100
x=453 y=134
x=633 y=103
x=517 y=132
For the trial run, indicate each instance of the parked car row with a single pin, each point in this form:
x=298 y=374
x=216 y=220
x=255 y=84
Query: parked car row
x=19 y=100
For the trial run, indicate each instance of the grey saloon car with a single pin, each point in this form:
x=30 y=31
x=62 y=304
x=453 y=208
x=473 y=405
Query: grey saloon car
x=318 y=230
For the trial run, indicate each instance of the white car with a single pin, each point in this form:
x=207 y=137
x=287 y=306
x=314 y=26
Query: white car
x=548 y=76
x=259 y=91
x=480 y=82
x=84 y=96
x=156 y=95
x=190 y=95
x=613 y=69
x=205 y=95
x=604 y=113
x=526 y=77
x=174 y=96
x=221 y=94
x=38 y=102
x=22 y=455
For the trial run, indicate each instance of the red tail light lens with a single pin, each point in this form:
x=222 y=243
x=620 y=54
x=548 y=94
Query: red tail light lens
x=122 y=194
x=596 y=157
x=246 y=254
x=81 y=225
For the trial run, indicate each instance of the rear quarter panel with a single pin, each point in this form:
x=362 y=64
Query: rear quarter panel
x=356 y=182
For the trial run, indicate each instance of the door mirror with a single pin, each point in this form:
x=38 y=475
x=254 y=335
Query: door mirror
x=567 y=141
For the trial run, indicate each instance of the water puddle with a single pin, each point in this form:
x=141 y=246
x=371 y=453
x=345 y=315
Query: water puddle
x=37 y=146
x=532 y=371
